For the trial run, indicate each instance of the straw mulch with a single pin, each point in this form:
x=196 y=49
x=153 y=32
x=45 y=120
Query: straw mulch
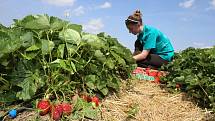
x=146 y=101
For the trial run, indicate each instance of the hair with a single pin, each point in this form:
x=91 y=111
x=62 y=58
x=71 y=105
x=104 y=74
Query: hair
x=135 y=18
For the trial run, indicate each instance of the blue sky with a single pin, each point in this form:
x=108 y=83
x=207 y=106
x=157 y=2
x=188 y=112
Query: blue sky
x=186 y=22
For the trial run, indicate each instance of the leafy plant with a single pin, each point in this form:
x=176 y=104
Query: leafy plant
x=42 y=54
x=193 y=69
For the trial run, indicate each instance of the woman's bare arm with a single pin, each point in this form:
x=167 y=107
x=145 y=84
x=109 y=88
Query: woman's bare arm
x=142 y=55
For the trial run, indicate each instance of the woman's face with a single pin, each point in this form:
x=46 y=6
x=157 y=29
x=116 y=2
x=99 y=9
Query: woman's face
x=134 y=28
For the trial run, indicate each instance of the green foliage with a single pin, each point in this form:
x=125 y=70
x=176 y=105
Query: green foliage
x=194 y=70
x=42 y=54
x=84 y=110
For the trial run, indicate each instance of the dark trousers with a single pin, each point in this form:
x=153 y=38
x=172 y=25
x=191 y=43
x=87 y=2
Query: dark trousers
x=152 y=61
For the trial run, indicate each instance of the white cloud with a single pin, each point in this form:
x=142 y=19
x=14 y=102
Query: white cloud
x=60 y=2
x=187 y=4
x=76 y=12
x=93 y=26
x=212 y=3
x=201 y=45
x=198 y=44
x=106 y=5
x=207 y=47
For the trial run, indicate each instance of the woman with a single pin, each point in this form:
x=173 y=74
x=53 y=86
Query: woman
x=152 y=48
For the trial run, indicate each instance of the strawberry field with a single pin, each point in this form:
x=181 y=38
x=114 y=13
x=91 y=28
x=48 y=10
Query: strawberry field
x=57 y=69
x=193 y=72
x=44 y=57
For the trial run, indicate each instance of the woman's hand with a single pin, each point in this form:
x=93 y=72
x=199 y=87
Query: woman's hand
x=142 y=55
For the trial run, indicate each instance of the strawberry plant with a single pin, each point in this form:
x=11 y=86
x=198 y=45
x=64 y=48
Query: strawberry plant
x=45 y=56
x=192 y=70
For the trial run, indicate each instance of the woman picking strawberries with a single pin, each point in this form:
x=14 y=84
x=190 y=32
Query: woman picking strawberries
x=152 y=48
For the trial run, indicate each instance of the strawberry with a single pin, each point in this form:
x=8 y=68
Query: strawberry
x=55 y=114
x=67 y=108
x=159 y=74
x=86 y=98
x=147 y=70
x=44 y=106
x=95 y=100
x=153 y=73
x=138 y=70
x=178 y=86
x=59 y=108
x=157 y=80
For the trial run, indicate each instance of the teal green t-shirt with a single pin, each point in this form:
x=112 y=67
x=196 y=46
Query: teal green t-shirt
x=155 y=41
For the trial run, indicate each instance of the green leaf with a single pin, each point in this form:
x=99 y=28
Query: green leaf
x=71 y=49
x=84 y=109
x=70 y=36
x=113 y=82
x=34 y=22
x=60 y=50
x=75 y=27
x=28 y=89
x=4 y=62
x=25 y=56
x=118 y=58
x=10 y=41
x=63 y=64
x=91 y=113
x=179 y=79
x=134 y=109
x=100 y=56
x=73 y=66
x=110 y=63
x=27 y=39
x=104 y=91
x=57 y=24
x=29 y=86
x=47 y=46
x=8 y=97
x=93 y=41
x=90 y=81
x=32 y=48
x=101 y=84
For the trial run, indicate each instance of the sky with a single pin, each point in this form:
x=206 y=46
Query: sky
x=187 y=23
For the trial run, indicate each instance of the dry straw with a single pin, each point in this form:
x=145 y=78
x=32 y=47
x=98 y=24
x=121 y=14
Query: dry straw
x=143 y=101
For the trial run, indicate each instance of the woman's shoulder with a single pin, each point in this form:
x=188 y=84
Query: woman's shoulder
x=150 y=28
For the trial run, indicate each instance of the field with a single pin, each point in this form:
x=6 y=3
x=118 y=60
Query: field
x=53 y=70
x=143 y=101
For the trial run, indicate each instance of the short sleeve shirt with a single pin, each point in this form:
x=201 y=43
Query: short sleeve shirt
x=158 y=43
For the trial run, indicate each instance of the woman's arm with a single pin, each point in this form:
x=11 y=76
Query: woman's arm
x=142 y=55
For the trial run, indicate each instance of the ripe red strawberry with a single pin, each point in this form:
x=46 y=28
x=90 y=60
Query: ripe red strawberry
x=153 y=73
x=178 y=86
x=55 y=114
x=59 y=108
x=86 y=98
x=67 y=108
x=157 y=80
x=147 y=70
x=95 y=100
x=44 y=106
x=159 y=74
